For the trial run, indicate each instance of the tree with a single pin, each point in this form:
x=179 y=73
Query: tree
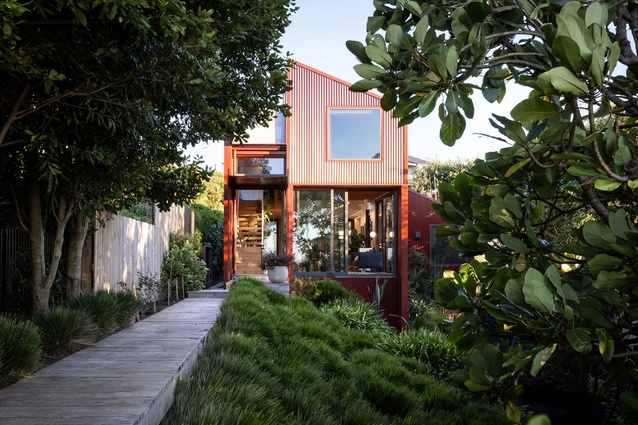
x=428 y=176
x=573 y=151
x=213 y=194
x=98 y=99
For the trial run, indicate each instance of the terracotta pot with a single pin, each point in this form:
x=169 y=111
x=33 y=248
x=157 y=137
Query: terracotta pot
x=278 y=274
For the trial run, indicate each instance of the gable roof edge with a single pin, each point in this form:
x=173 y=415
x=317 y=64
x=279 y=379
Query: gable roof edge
x=331 y=77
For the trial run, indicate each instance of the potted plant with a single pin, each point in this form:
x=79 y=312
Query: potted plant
x=277 y=265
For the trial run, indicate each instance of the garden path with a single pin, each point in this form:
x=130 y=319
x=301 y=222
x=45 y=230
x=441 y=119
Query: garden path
x=127 y=378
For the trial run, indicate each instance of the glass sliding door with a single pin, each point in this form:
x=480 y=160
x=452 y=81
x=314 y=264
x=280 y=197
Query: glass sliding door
x=340 y=231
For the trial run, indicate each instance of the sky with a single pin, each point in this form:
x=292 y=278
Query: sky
x=317 y=36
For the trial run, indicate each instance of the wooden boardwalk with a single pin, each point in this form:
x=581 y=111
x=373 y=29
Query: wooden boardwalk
x=127 y=378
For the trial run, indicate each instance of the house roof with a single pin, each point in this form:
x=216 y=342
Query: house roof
x=333 y=78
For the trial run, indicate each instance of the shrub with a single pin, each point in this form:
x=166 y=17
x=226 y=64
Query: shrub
x=128 y=308
x=321 y=291
x=211 y=225
x=19 y=349
x=183 y=262
x=429 y=346
x=357 y=314
x=149 y=290
x=65 y=331
x=425 y=315
x=422 y=275
x=102 y=308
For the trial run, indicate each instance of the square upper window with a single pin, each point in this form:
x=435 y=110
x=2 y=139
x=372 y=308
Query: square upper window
x=355 y=133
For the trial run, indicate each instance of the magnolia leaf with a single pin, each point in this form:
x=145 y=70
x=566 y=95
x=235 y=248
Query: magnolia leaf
x=614 y=55
x=622 y=155
x=378 y=55
x=394 y=34
x=568 y=51
x=473 y=386
x=421 y=30
x=606 y=345
x=514 y=168
x=597 y=66
x=413 y=7
x=514 y=243
x=367 y=70
x=452 y=60
x=513 y=412
x=534 y=109
x=630 y=399
x=596 y=14
x=428 y=103
x=365 y=85
x=598 y=234
x=452 y=128
x=452 y=102
x=79 y=15
x=582 y=172
x=389 y=100
x=514 y=292
x=604 y=262
x=606 y=185
x=611 y=280
x=537 y=293
x=539 y=419
x=499 y=214
x=579 y=339
x=511 y=203
x=619 y=224
x=437 y=65
x=374 y=24
x=561 y=80
x=633 y=184
x=358 y=49
x=541 y=358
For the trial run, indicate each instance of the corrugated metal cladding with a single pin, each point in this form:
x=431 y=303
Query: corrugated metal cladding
x=391 y=300
x=313 y=93
x=420 y=217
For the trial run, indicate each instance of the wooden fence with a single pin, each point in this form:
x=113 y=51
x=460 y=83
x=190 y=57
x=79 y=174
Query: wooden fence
x=126 y=246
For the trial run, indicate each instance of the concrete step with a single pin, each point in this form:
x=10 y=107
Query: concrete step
x=208 y=293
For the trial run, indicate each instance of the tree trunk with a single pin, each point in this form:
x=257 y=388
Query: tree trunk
x=77 y=236
x=44 y=276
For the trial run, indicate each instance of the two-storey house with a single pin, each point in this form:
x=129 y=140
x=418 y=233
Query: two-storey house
x=328 y=184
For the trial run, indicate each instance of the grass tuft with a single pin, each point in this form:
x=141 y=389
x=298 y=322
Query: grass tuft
x=19 y=349
x=64 y=331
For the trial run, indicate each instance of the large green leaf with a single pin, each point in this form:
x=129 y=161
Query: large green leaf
x=598 y=234
x=514 y=292
x=619 y=224
x=499 y=214
x=452 y=128
x=597 y=67
x=378 y=55
x=534 y=109
x=537 y=292
x=561 y=80
x=541 y=358
x=579 y=339
x=421 y=30
x=604 y=262
x=394 y=34
x=567 y=50
x=367 y=70
x=452 y=60
x=611 y=279
x=539 y=420
x=630 y=399
x=365 y=85
x=358 y=49
x=514 y=243
x=428 y=103
x=606 y=185
x=606 y=345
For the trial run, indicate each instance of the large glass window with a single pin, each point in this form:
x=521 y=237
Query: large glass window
x=260 y=165
x=339 y=231
x=355 y=134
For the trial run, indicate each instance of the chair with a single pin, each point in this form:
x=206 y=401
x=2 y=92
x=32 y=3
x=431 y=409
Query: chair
x=370 y=260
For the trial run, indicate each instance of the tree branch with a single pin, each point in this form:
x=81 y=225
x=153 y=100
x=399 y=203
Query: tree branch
x=13 y=116
x=590 y=195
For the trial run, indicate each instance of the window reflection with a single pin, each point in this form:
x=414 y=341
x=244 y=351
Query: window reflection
x=355 y=133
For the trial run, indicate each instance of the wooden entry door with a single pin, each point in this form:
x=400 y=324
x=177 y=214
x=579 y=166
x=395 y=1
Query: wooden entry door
x=249 y=237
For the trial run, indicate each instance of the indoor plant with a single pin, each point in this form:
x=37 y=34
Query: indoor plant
x=277 y=265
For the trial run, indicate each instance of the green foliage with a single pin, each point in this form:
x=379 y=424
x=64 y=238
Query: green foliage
x=321 y=291
x=422 y=275
x=555 y=213
x=101 y=307
x=102 y=99
x=431 y=347
x=19 y=349
x=183 y=262
x=357 y=314
x=210 y=223
x=285 y=362
x=213 y=194
x=138 y=211
x=64 y=331
x=427 y=177
x=149 y=290
x=424 y=314
x=128 y=308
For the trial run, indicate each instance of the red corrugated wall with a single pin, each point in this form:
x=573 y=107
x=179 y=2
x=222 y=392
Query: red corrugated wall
x=312 y=95
x=420 y=217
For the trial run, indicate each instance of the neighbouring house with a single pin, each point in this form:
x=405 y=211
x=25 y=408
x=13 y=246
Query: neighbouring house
x=328 y=184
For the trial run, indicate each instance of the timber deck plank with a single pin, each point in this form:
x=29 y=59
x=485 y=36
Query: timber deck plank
x=127 y=378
